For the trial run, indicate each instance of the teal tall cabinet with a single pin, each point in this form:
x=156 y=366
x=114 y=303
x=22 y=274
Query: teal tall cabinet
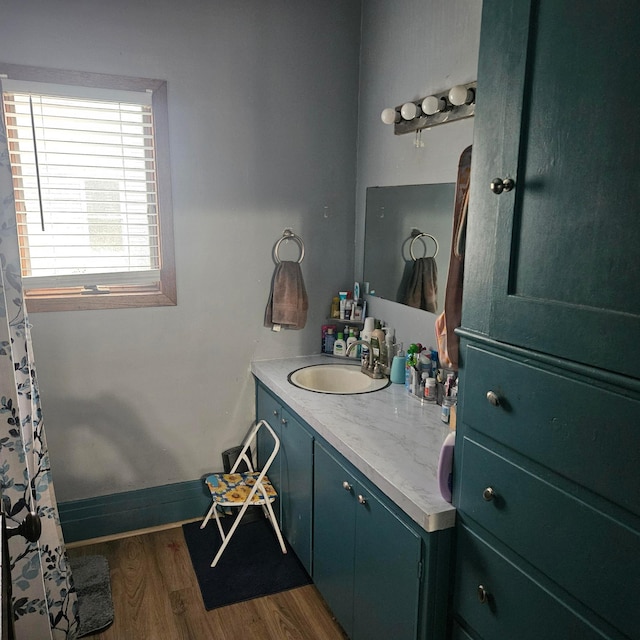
x=546 y=477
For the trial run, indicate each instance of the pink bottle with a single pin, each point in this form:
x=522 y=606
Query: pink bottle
x=445 y=466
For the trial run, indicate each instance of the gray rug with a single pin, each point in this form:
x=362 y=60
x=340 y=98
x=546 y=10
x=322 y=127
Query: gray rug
x=93 y=586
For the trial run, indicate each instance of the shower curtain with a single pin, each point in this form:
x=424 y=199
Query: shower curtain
x=45 y=603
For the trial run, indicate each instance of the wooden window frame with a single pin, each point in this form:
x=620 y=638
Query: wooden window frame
x=162 y=293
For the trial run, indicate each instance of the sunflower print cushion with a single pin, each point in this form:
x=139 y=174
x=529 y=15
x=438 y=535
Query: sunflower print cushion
x=235 y=487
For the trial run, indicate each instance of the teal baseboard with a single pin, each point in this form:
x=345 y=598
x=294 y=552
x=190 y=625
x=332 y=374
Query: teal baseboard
x=132 y=510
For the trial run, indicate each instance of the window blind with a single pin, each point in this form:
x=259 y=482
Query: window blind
x=84 y=175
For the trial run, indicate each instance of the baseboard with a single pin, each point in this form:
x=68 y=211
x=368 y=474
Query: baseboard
x=132 y=510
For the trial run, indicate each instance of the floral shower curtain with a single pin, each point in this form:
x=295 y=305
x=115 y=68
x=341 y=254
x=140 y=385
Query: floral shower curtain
x=45 y=602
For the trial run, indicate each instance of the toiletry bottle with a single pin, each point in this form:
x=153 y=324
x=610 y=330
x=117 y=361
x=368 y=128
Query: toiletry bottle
x=421 y=384
x=343 y=304
x=424 y=363
x=377 y=344
x=433 y=354
x=398 y=367
x=355 y=352
x=430 y=390
x=409 y=365
x=348 y=309
x=339 y=346
x=335 y=308
x=329 y=341
x=366 y=335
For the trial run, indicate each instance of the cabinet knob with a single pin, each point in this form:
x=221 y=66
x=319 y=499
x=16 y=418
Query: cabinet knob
x=283 y=421
x=362 y=499
x=493 y=398
x=483 y=594
x=275 y=413
x=489 y=494
x=498 y=185
x=346 y=486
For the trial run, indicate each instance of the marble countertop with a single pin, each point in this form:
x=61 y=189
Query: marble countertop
x=391 y=437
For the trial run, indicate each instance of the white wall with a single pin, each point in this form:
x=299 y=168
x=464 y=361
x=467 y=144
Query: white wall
x=411 y=48
x=262 y=110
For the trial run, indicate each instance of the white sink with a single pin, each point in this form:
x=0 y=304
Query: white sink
x=342 y=379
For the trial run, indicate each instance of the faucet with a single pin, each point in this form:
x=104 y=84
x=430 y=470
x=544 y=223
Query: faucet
x=371 y=367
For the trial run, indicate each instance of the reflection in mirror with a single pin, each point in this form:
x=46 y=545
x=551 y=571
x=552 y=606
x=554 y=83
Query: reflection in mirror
x=393 y=214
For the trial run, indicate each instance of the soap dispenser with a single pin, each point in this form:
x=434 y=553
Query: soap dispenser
x=398 y=367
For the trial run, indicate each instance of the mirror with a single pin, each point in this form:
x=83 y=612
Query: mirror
x=394 y=217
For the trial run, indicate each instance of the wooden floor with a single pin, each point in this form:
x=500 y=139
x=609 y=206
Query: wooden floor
x=156 y=597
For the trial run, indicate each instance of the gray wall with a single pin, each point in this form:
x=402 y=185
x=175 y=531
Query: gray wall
x=262 y=109
x=411 y=48
x=264 y=126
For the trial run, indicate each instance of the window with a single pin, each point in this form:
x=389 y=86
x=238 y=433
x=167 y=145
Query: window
x=89 y=157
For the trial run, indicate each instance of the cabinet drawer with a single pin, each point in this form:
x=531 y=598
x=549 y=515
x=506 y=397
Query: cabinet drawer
x=459 y=633
x=516 y=605
x=586 y=552
x=550 y=417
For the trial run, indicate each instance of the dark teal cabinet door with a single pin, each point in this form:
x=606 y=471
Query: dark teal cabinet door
x=334 y=536
x=296 y=486
x=554 y=262
x=387 y=578
x=366 y=559
x=270 y=410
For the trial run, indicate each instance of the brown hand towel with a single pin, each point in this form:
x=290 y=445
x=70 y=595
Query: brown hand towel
x=288 y=303
x=422 y=290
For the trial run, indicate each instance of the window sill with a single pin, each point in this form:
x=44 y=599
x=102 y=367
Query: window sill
x=76 y=299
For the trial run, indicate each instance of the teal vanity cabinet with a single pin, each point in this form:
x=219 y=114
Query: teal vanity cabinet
x=367 y=560
x=546 y=475
x=291 y=473
x=381 y=574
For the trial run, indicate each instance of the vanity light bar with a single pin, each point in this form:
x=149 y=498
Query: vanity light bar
x=439 y=108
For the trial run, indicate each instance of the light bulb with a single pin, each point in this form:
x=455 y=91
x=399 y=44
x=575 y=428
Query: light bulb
x=410 y=110
x=432 y=104
x=460 y=95
x=390 y=116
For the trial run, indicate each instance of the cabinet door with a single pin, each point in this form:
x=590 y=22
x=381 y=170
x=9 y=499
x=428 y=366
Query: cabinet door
x=387 y=573
x=366 y=560
x=334 y=536
x=553 y=263
x=270 y=410
x=296 y=486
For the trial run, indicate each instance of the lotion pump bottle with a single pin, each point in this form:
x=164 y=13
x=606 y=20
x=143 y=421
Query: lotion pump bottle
x=355 y=352
x=339 y=346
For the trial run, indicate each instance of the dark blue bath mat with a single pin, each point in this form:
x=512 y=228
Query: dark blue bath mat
x=251 y=566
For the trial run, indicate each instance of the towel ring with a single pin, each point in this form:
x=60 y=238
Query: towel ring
x=289 y=235
x=421 y=235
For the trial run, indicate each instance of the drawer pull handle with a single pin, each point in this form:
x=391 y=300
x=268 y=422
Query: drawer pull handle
x=489 y=494
x=493 y=398
x=346 y=486
x=362 y=499
x=483 y=594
